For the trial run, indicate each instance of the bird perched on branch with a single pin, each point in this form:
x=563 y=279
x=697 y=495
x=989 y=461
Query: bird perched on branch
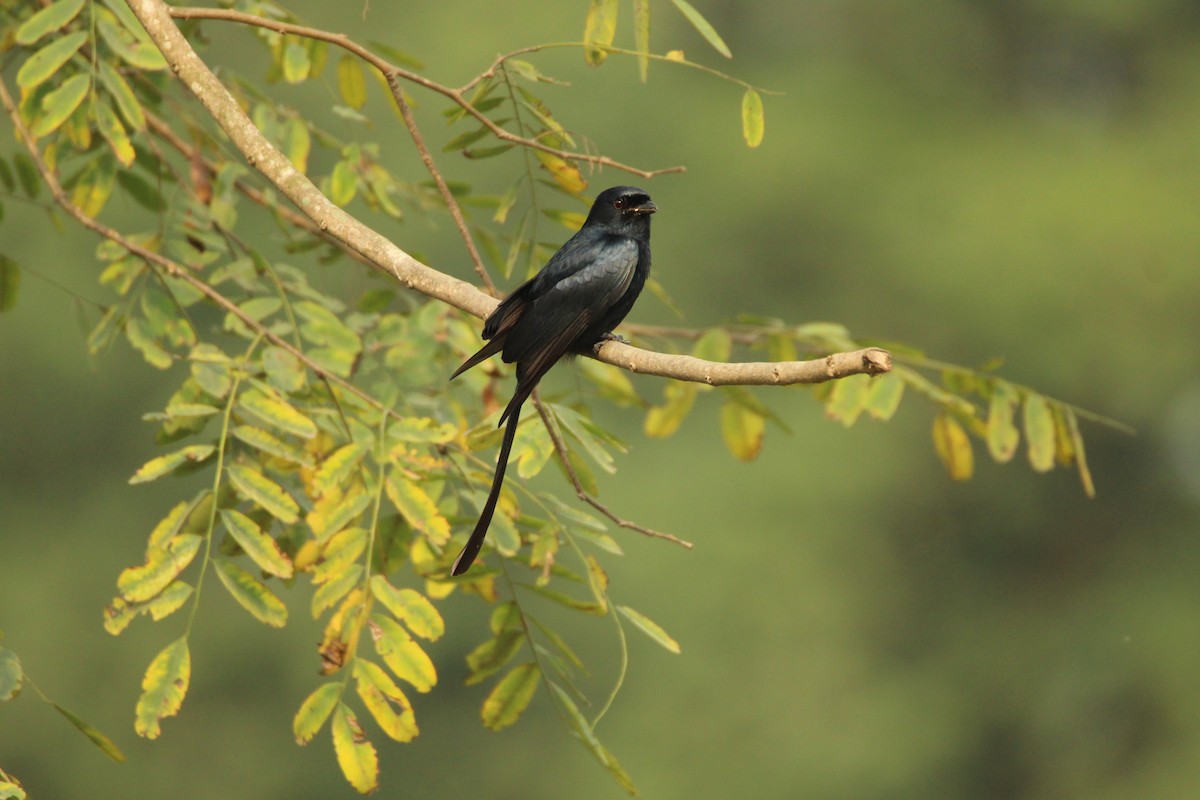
x=568 y=308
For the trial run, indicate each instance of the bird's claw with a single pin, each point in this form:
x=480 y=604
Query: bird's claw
x=608 y=337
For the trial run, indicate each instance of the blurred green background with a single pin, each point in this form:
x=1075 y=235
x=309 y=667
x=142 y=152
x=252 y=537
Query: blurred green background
x=977 y=179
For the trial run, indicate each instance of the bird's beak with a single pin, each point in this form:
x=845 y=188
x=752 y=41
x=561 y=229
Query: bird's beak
x=647 y=207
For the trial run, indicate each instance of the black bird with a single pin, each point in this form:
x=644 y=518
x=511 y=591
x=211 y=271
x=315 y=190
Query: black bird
x=568 y=308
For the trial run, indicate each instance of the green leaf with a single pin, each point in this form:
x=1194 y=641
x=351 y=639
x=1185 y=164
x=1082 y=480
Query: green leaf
x=60 y=104
x=599 y=30
x=164 y=686
x=1002 y=434
x=385 y=700
x=251 y=594
x=510 y=696
x=277 y=413
x=753 y=124
x=142 y=191
x=352 y=82
x=1039 y=432
x=28 y=175
x=417 y=508
x=583 y=730
x=313 y=712
x=703 y=27
x=411 y=607
x=650 y=628
x=1085 y=475
x=263 y=492
x=641 y=36
x=285 y=371
x=297 y=143
x=343 y=183
x=269 y=444
x=122 y=93
x=402 y=654
x=883 y=398
x=11 y=675
x=355 y=755
x=38 y=68
x=847 y=399
x=422 y=429
x=51 y=18
x=715 y=345
x=163 y=565
x=953 y=447
x=113 y=131
x=129 y=40
x=490 y=657
x=262 y=549
x=10 y=282
x=295 y=61
x=586 y=606
x=742 y=429
x=157 y=467
x=90 y=731
x=558 y=643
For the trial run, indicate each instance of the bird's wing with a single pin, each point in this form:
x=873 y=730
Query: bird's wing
x=571 y=304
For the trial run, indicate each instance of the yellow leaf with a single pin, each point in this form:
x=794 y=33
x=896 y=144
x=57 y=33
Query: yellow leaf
x=1039 y=432
x=953 y=447
x=263 y=492
x=402 y=654
x=164 y=686
x=1002 y=434
x=1085 y=474
x=650 y=628
x=385 y=700
x=742 y=429
x=313 y=712
x=277 y=413
x=753 y=124
x=564 y=173
x=599 y=30
x=675 y=55
x=411 y=607
x=157 y=467
x=251 y=594
x=114 y=133
x=352 y=84
x=664 y=420
x=337 y=467
x=417 y=508
x=163 y=565
x=355 y=755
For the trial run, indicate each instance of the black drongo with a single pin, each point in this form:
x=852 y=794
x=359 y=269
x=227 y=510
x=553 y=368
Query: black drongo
x=582 y=293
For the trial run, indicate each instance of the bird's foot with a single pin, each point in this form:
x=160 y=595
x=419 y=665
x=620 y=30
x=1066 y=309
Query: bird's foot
x=608 y=337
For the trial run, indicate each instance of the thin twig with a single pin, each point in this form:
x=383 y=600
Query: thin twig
x=386 y=68
x=170 y=267
x=560 y=448
x=410 y=122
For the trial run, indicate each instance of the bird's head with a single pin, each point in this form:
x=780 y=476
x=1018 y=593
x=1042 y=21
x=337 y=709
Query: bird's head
x=622 y=206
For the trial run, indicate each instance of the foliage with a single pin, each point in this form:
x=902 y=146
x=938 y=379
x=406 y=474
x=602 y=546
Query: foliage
x=337 y=455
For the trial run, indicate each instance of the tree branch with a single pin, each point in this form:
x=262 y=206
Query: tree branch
x=155 y=16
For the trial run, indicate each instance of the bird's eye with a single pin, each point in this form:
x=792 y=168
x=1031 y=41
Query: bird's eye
x=619 y=202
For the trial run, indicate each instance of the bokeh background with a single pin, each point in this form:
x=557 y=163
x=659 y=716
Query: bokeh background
x=978 y=179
